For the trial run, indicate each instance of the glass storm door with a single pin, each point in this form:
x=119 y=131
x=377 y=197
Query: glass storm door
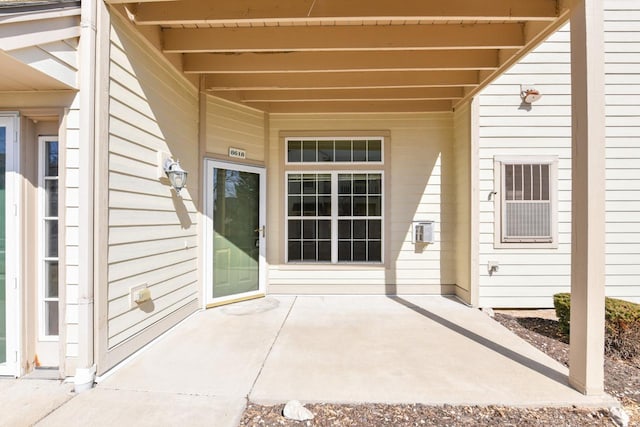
x=235 y=232
x=8 y=247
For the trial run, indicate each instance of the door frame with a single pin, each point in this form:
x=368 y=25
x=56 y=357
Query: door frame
x=12 y=244
x=209 y=166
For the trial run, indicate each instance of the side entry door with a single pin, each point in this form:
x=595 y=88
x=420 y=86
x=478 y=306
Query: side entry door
x=235 y=232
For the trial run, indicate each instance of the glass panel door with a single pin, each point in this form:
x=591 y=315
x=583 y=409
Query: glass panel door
x=3 y=282
x=235 y=230
x=9 y=249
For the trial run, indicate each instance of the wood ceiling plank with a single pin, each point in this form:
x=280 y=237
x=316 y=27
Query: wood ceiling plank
x=289 y=62
x=354 y=107
x=388 y=79
x=344 y=38
x=392 y=94
x=137 y=1
x=204 y=11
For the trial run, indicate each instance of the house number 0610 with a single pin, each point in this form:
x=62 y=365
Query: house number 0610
x=237 y=153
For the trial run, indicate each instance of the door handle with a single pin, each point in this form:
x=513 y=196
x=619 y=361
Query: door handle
x=261 y=230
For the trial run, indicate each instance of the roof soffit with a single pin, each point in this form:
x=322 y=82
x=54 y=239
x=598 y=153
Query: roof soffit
x=332 y=55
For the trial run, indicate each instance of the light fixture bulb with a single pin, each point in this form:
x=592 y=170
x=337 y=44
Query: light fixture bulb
x=177 y=176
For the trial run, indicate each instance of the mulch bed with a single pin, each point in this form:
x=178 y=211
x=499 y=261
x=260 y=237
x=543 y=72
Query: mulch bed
x=622 y=380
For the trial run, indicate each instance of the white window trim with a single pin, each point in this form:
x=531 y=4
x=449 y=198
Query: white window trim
x=334 y=216
x=42 y=258
x=498 y=161
x=333 y=138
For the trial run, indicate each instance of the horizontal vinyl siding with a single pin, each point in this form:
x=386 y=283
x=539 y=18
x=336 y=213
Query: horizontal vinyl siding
x=622 y=52
x=419 y=172
x=152 y=233
x=232 y=125
x=529 y=277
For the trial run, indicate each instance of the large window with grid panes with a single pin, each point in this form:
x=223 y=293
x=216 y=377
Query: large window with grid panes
x=334 y=200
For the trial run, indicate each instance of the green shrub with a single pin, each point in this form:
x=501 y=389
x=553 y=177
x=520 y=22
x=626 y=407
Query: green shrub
x=622 y=328
x=562 y=304
x=622 y=324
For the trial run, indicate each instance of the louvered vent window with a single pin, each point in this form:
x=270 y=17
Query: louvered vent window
x=527 y=209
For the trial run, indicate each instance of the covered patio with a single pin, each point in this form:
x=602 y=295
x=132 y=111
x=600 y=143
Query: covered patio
x=311 y=57
x=325 y=56
x=343 y=349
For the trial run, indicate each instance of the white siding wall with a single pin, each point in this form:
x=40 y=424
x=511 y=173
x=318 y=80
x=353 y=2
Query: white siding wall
x=152 y=233
x=419 y=186
x=233 y=125
x=529 y=277
x=622 y=55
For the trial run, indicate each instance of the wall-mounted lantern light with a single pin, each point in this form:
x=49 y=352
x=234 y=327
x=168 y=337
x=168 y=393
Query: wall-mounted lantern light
x=177 y=176
x=529 y=94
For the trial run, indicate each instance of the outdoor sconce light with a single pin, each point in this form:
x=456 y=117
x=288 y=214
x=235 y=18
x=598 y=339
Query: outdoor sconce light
x=177 y=176
x=529 y=94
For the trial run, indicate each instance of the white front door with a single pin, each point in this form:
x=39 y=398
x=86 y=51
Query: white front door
x=9 y=246
x=235 y=232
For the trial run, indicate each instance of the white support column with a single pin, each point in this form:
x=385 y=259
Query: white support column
x=85 y=371
x=586 y=354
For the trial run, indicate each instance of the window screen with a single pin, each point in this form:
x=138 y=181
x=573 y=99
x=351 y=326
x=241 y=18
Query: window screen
x=527 y=209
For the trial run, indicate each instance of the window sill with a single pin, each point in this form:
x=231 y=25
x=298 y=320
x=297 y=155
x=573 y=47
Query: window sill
x=525 y=245
x=329 y=266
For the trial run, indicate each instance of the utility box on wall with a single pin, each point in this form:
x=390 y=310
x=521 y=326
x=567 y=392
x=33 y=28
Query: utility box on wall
x=423 y=232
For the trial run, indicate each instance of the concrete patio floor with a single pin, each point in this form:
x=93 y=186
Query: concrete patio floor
x=348 y=349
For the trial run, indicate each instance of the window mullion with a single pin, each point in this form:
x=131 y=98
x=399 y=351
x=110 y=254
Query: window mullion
x=541 y=182
x=334 y=217
x=503 y=198
x=521 y=168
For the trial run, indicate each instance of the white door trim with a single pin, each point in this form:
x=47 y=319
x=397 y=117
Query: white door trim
x=209 y=166
x=12 y=244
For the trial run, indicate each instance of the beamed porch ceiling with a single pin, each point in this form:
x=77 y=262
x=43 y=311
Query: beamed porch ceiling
x=347 y=55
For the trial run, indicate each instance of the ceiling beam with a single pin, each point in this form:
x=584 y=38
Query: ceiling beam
x=344 y=38
x=293 y=62
x=134 y=1
x=304 y=95
x=386 y=79
x=353 y=106
x=225 y=12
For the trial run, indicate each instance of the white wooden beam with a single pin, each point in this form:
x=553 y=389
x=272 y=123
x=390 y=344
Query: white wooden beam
x=347 y=38
x=20 y=35
x=232 y=11
x=340 y=61
x=389 y=79
x=586 y=352
x=42 y=61
x=37 y=15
